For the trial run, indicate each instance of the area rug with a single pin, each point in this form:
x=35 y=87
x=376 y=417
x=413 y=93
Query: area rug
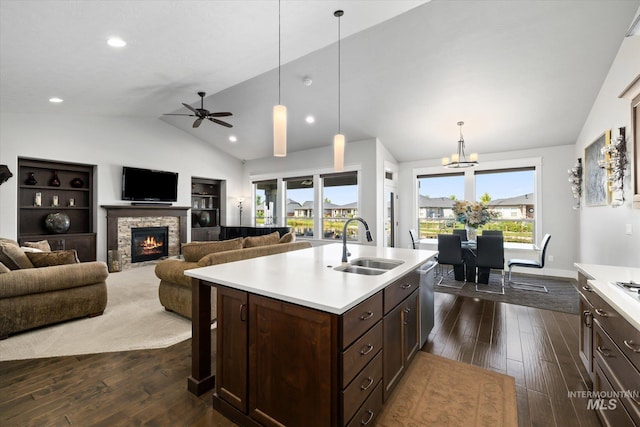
x=440 y=392
x=134 y=319
x=562 y=296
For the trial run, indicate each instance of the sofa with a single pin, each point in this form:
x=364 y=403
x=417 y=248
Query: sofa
x=42 y=287
x=174 y=290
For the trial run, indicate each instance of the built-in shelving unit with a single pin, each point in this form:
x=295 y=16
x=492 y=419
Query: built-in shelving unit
x=206 y=208
x=40 y=183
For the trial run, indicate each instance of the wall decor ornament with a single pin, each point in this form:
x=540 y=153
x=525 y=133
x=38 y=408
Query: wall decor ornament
x=595 y=177
x=57 y=222
x=31 y=179
x=77 y=183
x=575 y=178
x=55 y=181
x=615 y=163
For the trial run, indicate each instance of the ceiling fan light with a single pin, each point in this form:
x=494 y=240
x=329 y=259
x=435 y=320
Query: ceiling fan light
x=279 y=131
x=338 y=152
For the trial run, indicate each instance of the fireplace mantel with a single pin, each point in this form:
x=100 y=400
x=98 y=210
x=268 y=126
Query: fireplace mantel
x=141 y=211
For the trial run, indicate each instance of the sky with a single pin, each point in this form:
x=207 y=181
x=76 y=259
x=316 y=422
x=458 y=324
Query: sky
x=498 y=185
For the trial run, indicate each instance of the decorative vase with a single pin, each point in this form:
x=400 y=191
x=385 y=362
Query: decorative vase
x=31 y=180
x=57 y=222
x=55 y=182
x=204 y=219
x=77 y=183
x=472 y=232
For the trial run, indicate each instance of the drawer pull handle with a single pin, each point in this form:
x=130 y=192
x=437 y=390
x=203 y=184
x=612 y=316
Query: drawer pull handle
x=587 y=289
x=632 y=346
x=601 y=312
x=367 y=315
x=603 y=351
x=366 y=350
x=243 y=312
x=406 y=285
x=369 y=382
x=587 y=318
x=368 y=420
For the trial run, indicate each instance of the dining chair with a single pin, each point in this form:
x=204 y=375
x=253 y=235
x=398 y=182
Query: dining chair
x=462 y=233
x=492 y=233
x=450 y=253
x=489 y=256
x=414 y=238
x=539 y=263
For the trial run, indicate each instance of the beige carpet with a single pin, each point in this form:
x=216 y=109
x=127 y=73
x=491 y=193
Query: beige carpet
x=440 y=392
x=134 y=319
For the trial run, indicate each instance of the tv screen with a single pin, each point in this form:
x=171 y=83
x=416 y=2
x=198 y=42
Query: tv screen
x=149 y=185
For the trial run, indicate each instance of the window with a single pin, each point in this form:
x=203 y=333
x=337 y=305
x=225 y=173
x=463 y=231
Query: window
x=266 y=196
x=340 y=202
x=436 y=196
x=300 y=204
x=510 y=195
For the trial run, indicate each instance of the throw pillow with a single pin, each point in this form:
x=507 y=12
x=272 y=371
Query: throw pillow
x=290 y=237
x=27 y=249
x=47 y=259
x=192 y=252
x=3 y=268
x=13 y=257
x=43 y=245
x=5 y=240
x=254 y=241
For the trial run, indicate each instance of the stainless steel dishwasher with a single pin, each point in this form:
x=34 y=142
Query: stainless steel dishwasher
x=427 y=285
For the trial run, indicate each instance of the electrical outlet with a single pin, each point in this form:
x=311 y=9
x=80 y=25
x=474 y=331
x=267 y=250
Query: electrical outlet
x=628 y=229
x=550 y=258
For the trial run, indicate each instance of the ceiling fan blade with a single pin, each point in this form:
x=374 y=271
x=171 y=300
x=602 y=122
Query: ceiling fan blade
x=197 y=122
x=175 y=114
x=190 y=108
x=225 y=114
x=220 y=122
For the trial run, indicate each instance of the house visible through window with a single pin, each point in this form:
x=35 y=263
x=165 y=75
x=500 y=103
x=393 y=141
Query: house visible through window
x=300 y=206
x=266 y=196
x=340 y=202
x=436 y=196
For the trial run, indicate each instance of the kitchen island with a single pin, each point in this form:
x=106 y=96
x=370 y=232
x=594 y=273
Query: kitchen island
x=300 y=342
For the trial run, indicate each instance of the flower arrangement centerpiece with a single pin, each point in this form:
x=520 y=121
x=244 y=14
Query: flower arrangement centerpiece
x=472 y=215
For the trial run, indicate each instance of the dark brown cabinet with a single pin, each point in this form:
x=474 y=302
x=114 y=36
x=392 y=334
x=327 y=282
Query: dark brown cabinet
x=47 y=187
x=206 y=208
x=610 y=350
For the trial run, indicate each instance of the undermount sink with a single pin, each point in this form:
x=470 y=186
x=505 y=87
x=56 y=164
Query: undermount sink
x=384 y=264
x=369 y=266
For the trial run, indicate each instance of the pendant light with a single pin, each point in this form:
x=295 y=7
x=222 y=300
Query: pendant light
x=279 y=112
x=459 y=159
x=338 y=139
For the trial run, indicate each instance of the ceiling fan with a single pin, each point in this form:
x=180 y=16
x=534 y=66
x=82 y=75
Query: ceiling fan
x=203 y=114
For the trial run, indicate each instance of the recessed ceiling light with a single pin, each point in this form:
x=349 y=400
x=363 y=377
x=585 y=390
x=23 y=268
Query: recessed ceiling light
x=116 y=42
x=55 y=100
x=310 y=119
x=233 y=138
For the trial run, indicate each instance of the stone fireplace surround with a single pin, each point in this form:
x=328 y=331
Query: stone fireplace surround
x=121 y=218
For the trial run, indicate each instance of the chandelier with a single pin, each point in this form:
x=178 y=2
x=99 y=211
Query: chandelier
x=459 y=159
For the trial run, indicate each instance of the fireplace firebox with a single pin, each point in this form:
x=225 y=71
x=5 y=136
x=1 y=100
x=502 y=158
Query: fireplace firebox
x=149 y=243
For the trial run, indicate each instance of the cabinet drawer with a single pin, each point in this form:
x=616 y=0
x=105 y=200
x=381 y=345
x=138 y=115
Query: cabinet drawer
x=360 y=388
x=623 y=334
x=611 y=416
x=360 y=318
x=371 y=408
x=621 y=375
x=400 y=289
x=360 y=353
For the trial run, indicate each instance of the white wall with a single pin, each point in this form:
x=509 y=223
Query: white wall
x=109 y=143
x=557 y=216
x=602 y=228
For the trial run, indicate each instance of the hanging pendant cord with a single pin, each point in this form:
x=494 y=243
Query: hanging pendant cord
x=279 y=54
x=339 y=14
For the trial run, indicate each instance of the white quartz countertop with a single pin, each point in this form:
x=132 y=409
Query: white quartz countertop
x=602 y=280
x=306 y=277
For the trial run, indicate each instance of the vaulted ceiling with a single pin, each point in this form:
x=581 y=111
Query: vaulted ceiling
x=520 y=74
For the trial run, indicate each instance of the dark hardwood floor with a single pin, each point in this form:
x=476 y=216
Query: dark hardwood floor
x=538 y=347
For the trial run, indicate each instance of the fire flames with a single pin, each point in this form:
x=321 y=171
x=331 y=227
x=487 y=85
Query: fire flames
x=150 y=244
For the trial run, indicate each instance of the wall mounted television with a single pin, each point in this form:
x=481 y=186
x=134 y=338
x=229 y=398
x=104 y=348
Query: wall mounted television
x=147 y=185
